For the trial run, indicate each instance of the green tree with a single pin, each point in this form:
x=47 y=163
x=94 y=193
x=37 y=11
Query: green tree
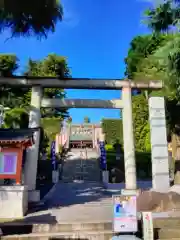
x=161 y=63
x=16 y=98
x=141 y=122
x=141 y=47
x=113 y=130
x=16 y=118
x=10 y=97
x=69 y=120
x=52 y=66
x=162 y=16
x=30 y=18
x=87 y=120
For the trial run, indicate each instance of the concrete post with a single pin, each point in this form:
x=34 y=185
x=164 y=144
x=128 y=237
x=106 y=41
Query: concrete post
x=159 y=148
x=33 y=152
x=128 y=135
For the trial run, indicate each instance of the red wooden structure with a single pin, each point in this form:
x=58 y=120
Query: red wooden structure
x=13 y=142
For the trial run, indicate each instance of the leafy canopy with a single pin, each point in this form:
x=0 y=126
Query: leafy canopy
x=35 y=17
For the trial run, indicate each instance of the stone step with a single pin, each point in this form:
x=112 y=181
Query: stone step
x=72 y=227
x=86 y=230
x=100 y=235
x=171 y=222
x=169 y=233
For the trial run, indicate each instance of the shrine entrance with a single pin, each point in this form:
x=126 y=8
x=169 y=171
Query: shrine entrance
x=125 y=103
x=81 y=144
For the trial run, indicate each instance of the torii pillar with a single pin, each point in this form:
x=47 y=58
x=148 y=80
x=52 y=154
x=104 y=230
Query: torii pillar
x=32 y=155
x=129 y=149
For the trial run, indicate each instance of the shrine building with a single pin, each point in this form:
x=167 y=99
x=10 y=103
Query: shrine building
x=84 y=135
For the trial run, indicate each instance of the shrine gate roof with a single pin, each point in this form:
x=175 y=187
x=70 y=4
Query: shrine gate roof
x=10 y=136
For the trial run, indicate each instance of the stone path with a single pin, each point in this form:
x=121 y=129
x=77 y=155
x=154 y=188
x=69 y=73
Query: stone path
x=75 y=200
x=82 y=164
x=78 y=200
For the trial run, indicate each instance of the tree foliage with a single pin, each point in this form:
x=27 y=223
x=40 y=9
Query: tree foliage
x=162 y=16
x=141 y=123
x=87 y=120
x=16 y=118
x=113 y=130
x=51 y=66
x=10 y=97
x=141 y=47
x=157 y=57
x=18 y=99
x=30 y=17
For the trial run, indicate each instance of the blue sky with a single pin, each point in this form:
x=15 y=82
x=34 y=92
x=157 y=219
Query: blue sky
x=95 y=37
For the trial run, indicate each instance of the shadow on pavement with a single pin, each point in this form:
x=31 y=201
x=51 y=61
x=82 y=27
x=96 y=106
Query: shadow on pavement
x=25 y=225
x=81 y=184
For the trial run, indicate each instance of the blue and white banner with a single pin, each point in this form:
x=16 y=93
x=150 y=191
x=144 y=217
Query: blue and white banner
x=103 y=161
x=53 y=154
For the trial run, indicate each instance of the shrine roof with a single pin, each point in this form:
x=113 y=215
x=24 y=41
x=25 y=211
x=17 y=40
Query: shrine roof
x=9 y=136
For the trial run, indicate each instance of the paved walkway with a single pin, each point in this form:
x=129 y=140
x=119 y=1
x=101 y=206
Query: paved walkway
x=82 y=164
x=76 y=202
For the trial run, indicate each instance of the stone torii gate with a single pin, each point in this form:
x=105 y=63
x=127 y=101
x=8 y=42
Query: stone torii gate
x=125 y=103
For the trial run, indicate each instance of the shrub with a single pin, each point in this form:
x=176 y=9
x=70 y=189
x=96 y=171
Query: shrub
x=109 y=147
x=113 y=130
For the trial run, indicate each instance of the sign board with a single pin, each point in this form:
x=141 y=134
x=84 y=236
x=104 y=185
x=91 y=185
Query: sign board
x=148 y=232
x=125 y=213
x=53 y=154
x=8 y=163
x=103 y=155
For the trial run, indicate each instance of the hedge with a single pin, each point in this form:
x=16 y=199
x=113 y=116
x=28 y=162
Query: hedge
x=51 y=126
x=44 y=171
x=113 y=130
x=143 y=163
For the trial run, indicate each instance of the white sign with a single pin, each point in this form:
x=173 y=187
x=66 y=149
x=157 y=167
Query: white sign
x=148 y=233
x=125 y=214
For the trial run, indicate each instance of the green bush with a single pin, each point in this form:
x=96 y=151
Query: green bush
x=143 y=163
x=109 y=147
x=113 y=130
x=141 y=123
x=51 y=127
x=44 y=171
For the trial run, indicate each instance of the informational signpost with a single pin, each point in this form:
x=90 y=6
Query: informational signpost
x=125 y=214
x=8 y=163
x=103 y=155
x=55 y=172
x=148 y=233
x=53 y=155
